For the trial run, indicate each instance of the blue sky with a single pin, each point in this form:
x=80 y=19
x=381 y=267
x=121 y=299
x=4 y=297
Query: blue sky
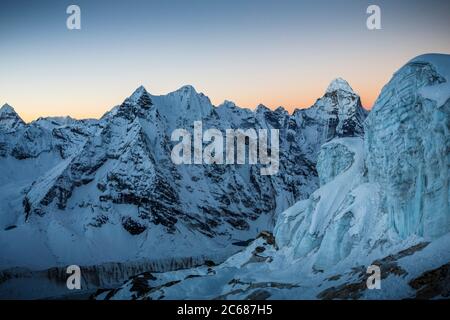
x=270 y=52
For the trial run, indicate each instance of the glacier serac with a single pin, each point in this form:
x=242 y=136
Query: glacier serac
x=407 y=147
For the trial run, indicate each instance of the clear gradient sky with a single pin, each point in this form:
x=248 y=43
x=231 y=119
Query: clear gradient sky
x=248 y=51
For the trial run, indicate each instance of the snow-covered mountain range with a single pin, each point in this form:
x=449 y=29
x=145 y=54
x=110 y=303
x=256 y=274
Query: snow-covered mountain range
x=350 y=192
x=89 y=192
x=383 y=200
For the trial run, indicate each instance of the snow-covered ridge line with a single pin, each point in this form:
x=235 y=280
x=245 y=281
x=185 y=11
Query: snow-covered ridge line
x=185 y=92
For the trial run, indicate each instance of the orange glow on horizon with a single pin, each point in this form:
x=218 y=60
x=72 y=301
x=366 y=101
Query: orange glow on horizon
x=32 y=111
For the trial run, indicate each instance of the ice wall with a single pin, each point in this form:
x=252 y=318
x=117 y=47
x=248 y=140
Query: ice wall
x=341 y=217
x=407 y=147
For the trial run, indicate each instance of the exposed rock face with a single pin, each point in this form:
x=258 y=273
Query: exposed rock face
x=408 y=148
x=433 y=284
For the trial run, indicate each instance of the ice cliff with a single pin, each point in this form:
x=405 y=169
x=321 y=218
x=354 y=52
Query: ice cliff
x=408 y=147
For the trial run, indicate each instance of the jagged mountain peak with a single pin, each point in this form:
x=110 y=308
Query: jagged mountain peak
x=187 y=87
x=341 y=108
x=138 y=93
x=339 y=84
x=136 y=104
x=188 y=103
x=280 y=109
x=9 y=119
x=186 y=90
x=6 y=108
x=261 y=108
x=228 y=104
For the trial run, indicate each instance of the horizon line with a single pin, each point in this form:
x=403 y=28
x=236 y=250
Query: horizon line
x=294 y=109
